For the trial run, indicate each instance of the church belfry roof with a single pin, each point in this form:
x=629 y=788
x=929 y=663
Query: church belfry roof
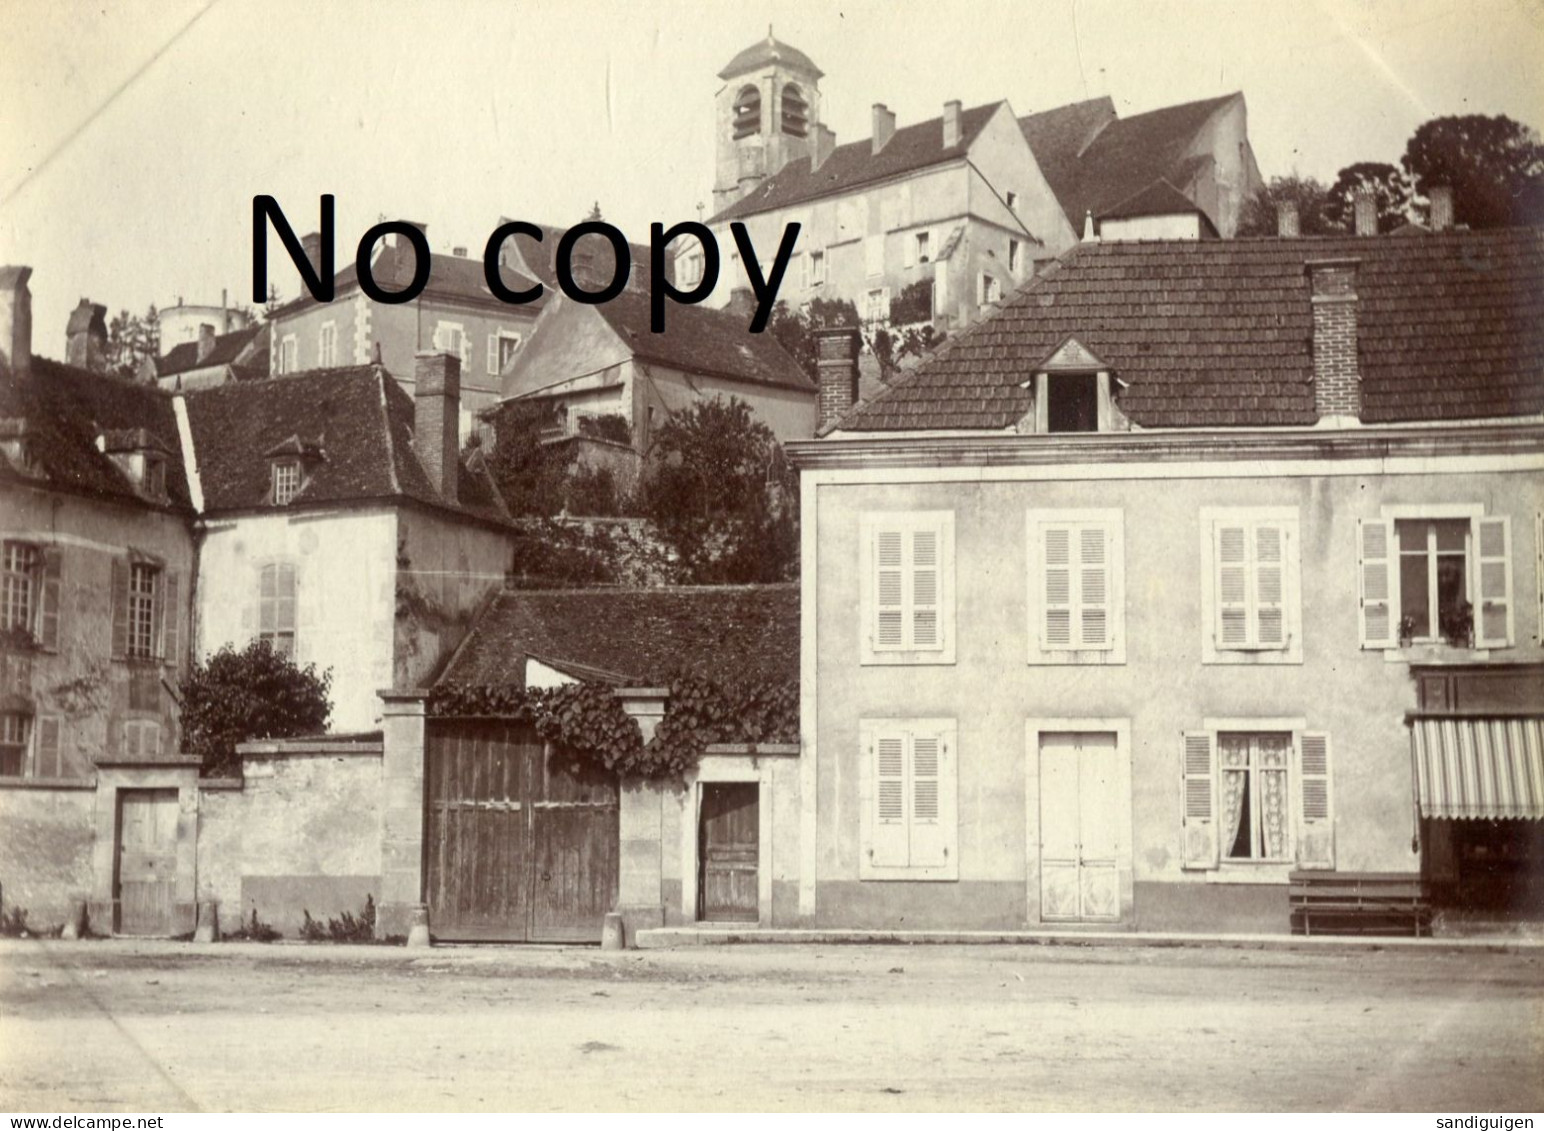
x=769 y=50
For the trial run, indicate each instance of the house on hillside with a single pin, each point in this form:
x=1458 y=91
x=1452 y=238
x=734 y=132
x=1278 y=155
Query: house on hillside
x=947 y=216
x=211 y=359
x=1201 y=565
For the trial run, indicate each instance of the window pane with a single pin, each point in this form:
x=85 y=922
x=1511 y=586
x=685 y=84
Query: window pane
x=1415 y=592
x=1452 y=534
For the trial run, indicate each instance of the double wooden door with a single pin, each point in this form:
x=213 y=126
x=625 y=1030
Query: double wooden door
x=147 y=860
x=521 y=842
x=1079 y=827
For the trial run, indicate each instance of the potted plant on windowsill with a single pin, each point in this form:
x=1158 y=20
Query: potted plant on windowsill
x=1406 y=631
x=1458 y=626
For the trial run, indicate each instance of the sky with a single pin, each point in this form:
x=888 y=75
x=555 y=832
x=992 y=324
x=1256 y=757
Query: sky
x=134 y=136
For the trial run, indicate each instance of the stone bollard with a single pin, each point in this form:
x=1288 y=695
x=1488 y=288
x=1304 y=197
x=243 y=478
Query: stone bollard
x=418 y=932
x=612 y=936
x=75 y=920
x=208 y=929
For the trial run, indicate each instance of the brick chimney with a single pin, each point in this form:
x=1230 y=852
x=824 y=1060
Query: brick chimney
x=1287 y=225
x=312 y=243
x=1337 y=379
x=836 y=360
x=205 y=340
x=437 y=419
x=86 y=336
x=742 y=303
x=1441 y=197
x=15 y=323
x=822 y=142
x=951 y=123
x=884 y=126
x=1364 y=207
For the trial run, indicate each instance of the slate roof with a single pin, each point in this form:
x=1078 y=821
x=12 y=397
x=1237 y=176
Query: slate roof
x=451 y=277
x=700 y=340
x=768 y=50
x=357 y=416
x=1218 y=333
x=855 y=164
x=541 y=257
x=1093 y=160
x=1158 y=199
x=636 y=637
x=227 y=347
x=64 y=408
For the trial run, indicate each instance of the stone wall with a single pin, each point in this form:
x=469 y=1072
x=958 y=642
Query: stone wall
x=45 y=851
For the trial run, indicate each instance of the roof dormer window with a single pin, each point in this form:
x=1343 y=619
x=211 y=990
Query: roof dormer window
x=286 y=481
x=18 y=446
x=153 y=481
x=290 y=465
x=1073 y=392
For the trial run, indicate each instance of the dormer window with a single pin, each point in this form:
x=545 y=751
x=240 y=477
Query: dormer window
x=154 y=481
x=18 y=446
x=1072 y=402
x=1073 y=393
x=286 y=481
x=141 y=456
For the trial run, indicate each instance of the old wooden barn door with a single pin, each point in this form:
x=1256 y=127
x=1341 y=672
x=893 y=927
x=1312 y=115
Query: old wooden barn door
x=147 y=860
x=521 y=843
x=729 y=846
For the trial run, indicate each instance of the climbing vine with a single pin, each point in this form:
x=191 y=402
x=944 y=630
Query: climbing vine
x=588 y=721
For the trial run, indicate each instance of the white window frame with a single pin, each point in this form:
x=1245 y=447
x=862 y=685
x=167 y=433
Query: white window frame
x=817 y=266
x=463 y=350
x=327 y=345
x=1042 y=651
x=1290 y=651
x=141 y=730
x=496 y=342
x=283 y=493
x=22 y=728
x=876 y=306
x=283 y=636
x=143 y=611
x=288 y=351
x=23 y=586
x=1011 y=199
x=874 y=257
x=986 y=282
x=906 y=523
x=1015 y=254
x=938 y=838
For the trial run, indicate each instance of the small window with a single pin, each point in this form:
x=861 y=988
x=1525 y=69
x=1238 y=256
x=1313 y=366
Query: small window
x=817 y=268
x=13 y=743
x=991 y=289
x=509 y=345
x=1441 y=578
x=1013 y=257
x=1072 y=402
x=1012 y=198
x=143 y=581
x=1433 y=578
x=327 y=345
x=796 y=112
x=20 y=598
x=921 y=248
x=141 y=738
x=276 y=607
x=747 y=112
x=451 y=338
x=155 y=477
x=876 y=305
x=287 y=354
x=286 y=481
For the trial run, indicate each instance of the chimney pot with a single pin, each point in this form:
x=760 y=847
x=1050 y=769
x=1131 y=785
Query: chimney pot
x=836 y=361
x=205 y=340
x=1364 y=207
x=15 y=323
x=884 y=126
x=1287 y=224
x=86 y=336
x=1337 y=380
x=437 y=419
x=1441 y=197
x=951 y=123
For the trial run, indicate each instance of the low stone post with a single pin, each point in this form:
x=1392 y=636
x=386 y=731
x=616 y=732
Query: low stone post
x=208 y=929
x=418 y=933
x=75 y=919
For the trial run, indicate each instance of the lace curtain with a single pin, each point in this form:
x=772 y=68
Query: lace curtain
x=1265 y=757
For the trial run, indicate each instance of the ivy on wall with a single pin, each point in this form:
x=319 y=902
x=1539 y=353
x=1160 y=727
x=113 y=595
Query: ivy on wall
x=588 y=721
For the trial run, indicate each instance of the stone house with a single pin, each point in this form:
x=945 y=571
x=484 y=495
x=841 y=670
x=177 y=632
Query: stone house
x=211 y=359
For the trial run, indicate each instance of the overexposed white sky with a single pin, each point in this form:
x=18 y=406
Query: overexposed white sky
x=133 y=136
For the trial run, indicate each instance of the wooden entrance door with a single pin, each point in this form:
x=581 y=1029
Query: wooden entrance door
x=1078 y=828
x=147 y=860
x=521 y=844
x=729 y=845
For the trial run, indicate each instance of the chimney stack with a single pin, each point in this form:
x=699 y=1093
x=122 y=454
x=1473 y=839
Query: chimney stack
x=822 y=142
x=437 y=419
x=1337 y=379
x=742 y=303
x=1287 y=226
x=15 y=323
x=836 y=361
x=884 y=126
x=225 y=311
x=312 y=243
x=86 y=336
x=1441 y=197
x=951 y=123
x=205 y=340
x=1364 y=207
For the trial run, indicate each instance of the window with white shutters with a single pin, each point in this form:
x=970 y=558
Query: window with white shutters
x=1251 y=587
x=1076 y=587
x=907 y=602
x=910 y=827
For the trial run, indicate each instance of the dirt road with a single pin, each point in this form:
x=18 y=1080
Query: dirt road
x=98 y=1026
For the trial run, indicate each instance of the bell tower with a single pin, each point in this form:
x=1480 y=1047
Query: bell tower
x=765 y=116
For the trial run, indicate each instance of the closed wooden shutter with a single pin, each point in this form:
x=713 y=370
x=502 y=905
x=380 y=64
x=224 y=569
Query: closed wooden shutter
x=52 y=592
x=889 y=587
x=1093 y=587
x=1316 y=827
x=1377 y=582
x=887 y=752
x=1057 y=621
x=926 y=597
x=1231 y=553
x=1270 y=557
x=120 y=581
x=47 y=763
x=171 y=614
x=929 y=847
x=1493 y=612
x=493 y=353
x=1199 y=769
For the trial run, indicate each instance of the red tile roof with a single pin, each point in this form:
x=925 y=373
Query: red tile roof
x=1219 y=334
x=639 y=637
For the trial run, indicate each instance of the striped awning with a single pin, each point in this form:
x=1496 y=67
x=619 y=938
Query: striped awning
x=1478 y=767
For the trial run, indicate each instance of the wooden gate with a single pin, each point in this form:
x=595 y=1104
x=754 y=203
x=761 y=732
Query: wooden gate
x=521 y=844
x=728 y=848
x=147 y=860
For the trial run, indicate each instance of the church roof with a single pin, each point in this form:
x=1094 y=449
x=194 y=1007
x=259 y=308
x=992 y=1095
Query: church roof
x=765 y=51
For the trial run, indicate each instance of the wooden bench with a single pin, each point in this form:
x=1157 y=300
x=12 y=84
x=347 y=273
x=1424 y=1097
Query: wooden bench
x=1359 y=903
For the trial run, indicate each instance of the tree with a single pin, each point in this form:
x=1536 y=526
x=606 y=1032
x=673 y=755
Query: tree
x=531 y=475
x=131 y=340
x=795 y=329
x=255 y=693
x=722 y=495
x=1390 y=190
x=1258 y=217
x=1494 y=165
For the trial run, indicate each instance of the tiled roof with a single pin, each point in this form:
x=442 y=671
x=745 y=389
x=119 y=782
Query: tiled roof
x=700 y=340
x=227 y=348
x=1094 y=160
x=1218 y=333
x=450 y=277
x=641 y=637
x=855 y=164
x=64 y=409
x=1158 y=199
x=768 y=50
x=358 y=417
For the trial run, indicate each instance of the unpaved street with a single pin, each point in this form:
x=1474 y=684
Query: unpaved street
x=95 y=1026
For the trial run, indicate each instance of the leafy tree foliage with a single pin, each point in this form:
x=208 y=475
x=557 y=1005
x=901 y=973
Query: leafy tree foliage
x=795 y=329
x=1494 y=165
x=251 y=694
x=131 y=339
x=721 y=494
x=533 y=476
x=1390 y=191
x=1258 y=217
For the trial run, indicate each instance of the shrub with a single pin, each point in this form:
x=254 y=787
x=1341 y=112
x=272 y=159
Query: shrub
x=347 y=928
x=255 y=693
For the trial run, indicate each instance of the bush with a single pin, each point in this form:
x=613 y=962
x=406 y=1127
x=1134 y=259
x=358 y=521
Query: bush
x=252 y=930
x=348 y=928
x=252 y=694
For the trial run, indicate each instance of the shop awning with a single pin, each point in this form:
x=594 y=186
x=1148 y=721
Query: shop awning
x=1469 y=767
